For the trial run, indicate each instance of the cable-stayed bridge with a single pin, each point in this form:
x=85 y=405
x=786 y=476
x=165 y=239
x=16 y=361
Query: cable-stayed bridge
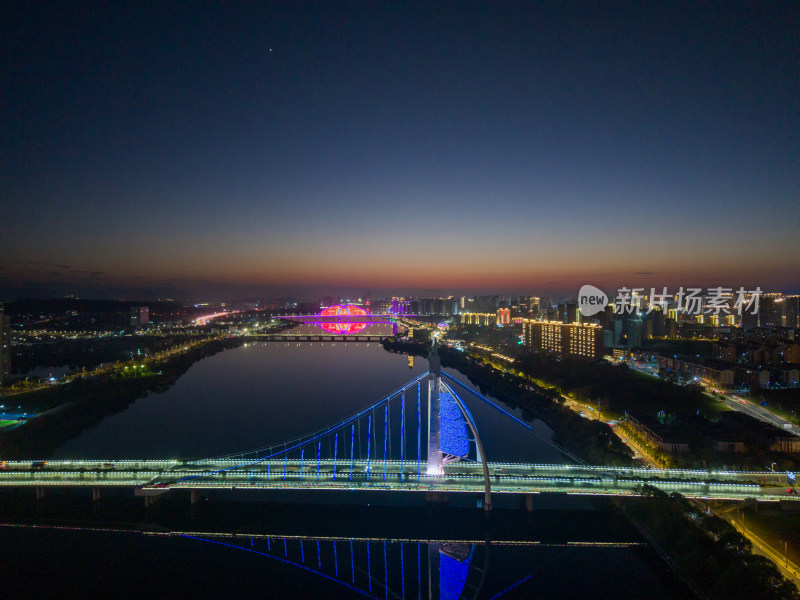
x=420 y=438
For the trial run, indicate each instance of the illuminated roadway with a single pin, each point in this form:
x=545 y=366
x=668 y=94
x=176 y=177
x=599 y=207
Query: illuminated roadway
x=734 y=402
x=152 y=477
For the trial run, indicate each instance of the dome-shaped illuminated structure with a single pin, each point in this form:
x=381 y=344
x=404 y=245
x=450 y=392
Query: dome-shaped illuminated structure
x=343 y=310
x=338 y=317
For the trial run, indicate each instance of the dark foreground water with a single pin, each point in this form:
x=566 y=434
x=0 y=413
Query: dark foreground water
x=51 y=563
x=267 y=392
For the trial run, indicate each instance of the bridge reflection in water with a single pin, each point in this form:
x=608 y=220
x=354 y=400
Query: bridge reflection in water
x=405 y=570
x=380 y=569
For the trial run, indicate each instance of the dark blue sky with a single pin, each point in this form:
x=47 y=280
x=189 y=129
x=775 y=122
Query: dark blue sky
x=521 y=147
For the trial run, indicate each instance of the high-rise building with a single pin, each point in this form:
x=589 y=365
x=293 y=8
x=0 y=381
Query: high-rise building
x=564 y=339
x=658 y=321
x=140 y=315
x=5 y=343
x=770 y=311
x=573 y=316
x=503 y=316
x=791 y=312
x=633 y=331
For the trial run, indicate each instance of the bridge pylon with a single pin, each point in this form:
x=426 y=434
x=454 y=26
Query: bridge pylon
x=435 y=455
x=451 y=445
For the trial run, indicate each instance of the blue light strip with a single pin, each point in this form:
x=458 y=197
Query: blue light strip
x=511 y=587
x=352 y=446
x=288 y=562
x=302 y=454
x=402 y=574
x=298 y=442
x=385 y=573
x=352 y=563
x=335 y=454
x=485 y=399
x=471 y=419
x=419 y=572
x=335 y=560
x=319 y=449
x=453 y=438
x=319 y=557
x=369 y=569
x=369 y=444
x=452 y=577
x=385 y=437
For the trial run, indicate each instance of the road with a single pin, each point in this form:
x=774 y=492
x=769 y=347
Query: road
x=159 y=476
x=756 y=411
x=789 y=569
x=588 y=412
x=734 y=402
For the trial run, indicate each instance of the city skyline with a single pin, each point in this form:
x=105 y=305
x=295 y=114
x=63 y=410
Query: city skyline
x=309 y=149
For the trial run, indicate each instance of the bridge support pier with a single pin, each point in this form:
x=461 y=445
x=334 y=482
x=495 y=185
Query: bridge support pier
x=529 y=502
x=39 y=493
x=95 y=495
x=150 y=500
x=195 y=496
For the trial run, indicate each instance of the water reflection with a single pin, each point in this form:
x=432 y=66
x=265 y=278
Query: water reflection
x=381 y=569
x=434 y=570
x=270 y=392
x=150 y=562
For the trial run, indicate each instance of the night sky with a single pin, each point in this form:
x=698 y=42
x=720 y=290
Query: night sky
x=158 y=150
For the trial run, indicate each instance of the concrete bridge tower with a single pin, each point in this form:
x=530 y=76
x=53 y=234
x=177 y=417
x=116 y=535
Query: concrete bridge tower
x=435 y=461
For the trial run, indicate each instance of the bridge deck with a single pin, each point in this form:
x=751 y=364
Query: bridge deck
x=506 y=478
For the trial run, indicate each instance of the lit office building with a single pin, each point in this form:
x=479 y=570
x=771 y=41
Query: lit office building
x=140 y=315
x=503 y=316
x=564 y=339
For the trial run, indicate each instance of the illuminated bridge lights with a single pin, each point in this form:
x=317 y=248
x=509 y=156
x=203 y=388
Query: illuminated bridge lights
x=343 y=310
x=453 y=437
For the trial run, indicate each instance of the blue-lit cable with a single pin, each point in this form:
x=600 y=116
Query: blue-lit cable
x=302 y=441
x=335 y=560
x=352 y=447
x=385 y=573
x=402 y=574
x=369 y=445
x=335 y=454
x=288 y=562
x=319 y=450
x=369 y=569
x=385 y=437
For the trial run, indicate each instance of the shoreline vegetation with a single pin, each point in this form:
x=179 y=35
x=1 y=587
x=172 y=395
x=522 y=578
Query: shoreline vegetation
x=707 y=552
x=84 y=402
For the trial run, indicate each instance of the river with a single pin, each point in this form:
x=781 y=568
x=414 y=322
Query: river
x=266 y=392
